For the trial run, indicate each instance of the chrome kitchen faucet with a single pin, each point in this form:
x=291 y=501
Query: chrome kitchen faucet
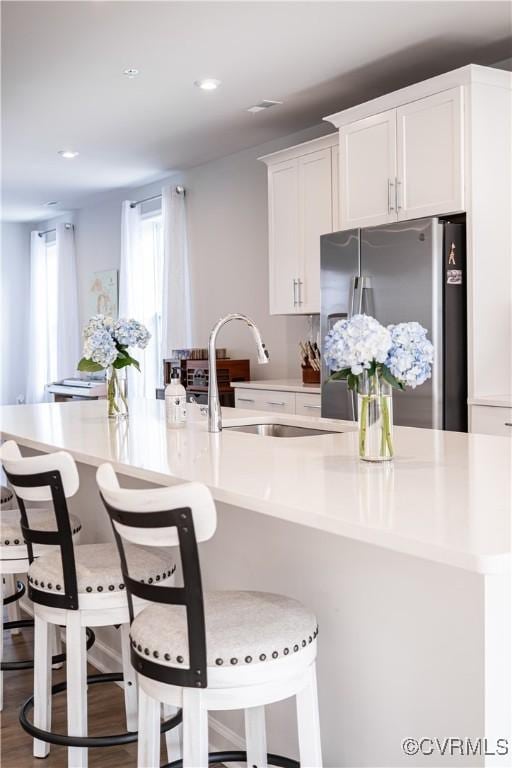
x=214 y=412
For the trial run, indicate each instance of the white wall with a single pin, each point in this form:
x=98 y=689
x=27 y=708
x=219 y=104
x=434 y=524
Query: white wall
x=15 y=286
x=227 y=222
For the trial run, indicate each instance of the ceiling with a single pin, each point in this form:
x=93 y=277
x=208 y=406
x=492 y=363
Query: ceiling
x=63 y=87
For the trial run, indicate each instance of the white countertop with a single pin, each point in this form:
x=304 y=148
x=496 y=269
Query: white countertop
x=279 y=385
x=445 y=497
x=501 y=401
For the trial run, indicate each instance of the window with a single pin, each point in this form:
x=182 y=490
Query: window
x=151 y=295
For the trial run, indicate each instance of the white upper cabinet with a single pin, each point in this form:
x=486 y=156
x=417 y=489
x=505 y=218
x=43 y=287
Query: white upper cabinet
x=368 y=170
x=300 y=210
x=283 y=224
x=403 y=163
x=430 y=156
x=315 y=219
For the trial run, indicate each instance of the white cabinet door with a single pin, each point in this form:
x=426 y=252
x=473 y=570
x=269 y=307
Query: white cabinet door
x=283 y=211
x=307 y=404
x=335 y=187
x=269 y=400
x=315 y=219
x=368 y=170
x=491 y=420
x=430 y=156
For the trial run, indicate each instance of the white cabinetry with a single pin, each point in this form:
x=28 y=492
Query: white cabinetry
x=403 y=163
x=302 y=182
x=277 y=401
x=489 y=420
x=367 y=171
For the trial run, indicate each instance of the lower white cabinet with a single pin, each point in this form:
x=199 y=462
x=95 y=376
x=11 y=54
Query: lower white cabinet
x=491 y=420
x=307 y=404
x=276 y=401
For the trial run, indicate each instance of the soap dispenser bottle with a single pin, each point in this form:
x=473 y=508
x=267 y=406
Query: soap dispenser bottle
x=175 y=402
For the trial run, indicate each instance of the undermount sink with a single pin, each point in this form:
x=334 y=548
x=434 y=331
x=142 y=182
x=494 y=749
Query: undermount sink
x=280 y=430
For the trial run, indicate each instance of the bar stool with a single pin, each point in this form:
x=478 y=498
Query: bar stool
x=226 y=650
x=14 y=559
x=75 y=587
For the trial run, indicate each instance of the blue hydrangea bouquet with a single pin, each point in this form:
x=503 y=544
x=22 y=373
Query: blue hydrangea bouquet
x=106 y=343
x=373 y=360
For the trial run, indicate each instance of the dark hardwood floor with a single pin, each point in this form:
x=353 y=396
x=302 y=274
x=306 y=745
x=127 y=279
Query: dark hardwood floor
x=105 y=710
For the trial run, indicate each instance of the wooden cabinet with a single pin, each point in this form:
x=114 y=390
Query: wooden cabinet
x=404 y=163
x=300 y=209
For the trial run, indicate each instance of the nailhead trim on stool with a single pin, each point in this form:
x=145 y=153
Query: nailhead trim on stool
x=5 y=494
x=100 y=587
x=16 y=542
x=233 y=660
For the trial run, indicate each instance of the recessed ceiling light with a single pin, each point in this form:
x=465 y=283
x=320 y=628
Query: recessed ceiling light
x=131 y=72
x=52 y=202
x=68 y=154
x=208 y=84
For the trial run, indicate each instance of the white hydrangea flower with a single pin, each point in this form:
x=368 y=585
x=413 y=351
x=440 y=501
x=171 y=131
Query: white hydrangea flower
x=411 y=355
x=356 y=344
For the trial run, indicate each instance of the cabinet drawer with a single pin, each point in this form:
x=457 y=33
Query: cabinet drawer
x=307 y=405
x=265 y=400
x=491 y=420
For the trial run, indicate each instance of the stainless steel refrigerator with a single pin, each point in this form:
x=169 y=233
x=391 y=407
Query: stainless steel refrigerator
x=414 y=270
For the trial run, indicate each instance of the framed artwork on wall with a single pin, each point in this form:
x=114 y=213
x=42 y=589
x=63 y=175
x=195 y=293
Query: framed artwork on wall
x=103 y=293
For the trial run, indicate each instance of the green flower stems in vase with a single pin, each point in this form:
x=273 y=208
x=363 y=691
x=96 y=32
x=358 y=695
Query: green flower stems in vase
x=374 y=415
x=116 y=395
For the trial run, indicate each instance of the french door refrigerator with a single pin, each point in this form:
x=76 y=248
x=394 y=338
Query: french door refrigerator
x=413 y=270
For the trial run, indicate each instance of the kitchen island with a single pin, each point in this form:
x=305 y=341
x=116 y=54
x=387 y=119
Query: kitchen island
x=406 y=564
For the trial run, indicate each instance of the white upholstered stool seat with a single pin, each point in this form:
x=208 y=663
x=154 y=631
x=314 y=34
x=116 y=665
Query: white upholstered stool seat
x=42 y=519
x=241 y=628
x=98 y=568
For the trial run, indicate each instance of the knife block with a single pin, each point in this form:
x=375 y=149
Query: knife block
x=309 y=375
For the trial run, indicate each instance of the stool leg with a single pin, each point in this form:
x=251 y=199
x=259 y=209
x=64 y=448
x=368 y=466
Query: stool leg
x=308 y=723
x=172 y=737
x=42 y=682
x=255 y=737
x=148 y=750
x=76 y=674
x=195 y=729
x=130 y=680
x=13 y=609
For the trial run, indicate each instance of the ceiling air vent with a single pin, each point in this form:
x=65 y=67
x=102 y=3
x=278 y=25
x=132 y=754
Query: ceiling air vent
x=265 y=104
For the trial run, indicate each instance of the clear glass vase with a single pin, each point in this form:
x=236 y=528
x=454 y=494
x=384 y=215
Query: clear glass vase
x=116 y=393
x=375 y=418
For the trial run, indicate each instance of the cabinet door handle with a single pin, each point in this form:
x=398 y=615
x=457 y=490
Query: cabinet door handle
x=398 y=195
x=508 y=423
x=244 y=400
x=299 y=291
x=311 y=406
x=391 y=184
x=294 y=291
x=274 y=402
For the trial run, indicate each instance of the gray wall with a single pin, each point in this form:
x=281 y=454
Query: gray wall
x=15 y=287
x=227 y=223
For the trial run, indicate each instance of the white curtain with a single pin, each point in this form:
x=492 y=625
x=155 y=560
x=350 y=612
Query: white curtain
x=176 y=304
x=53 y=343
x=140 y=281
x=68 y=331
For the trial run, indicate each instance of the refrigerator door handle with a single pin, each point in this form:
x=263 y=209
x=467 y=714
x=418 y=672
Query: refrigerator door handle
x=356 y=298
